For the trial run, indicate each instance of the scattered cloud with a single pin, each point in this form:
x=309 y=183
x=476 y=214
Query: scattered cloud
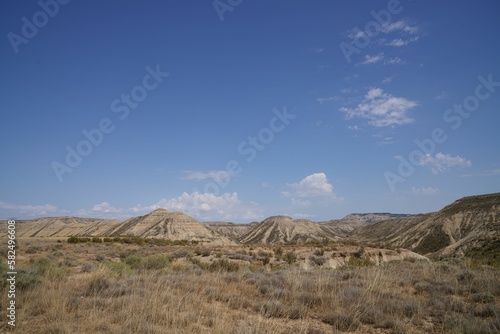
x=399 y=42
x=382 y=109
x=201 y=206
x=388 y=79
x=394 y=61
x=316 y=50
x=354 y=128
x=105 y=207
x=373 y=59
x=425 y=191
x=314 y=185
x=217 y=175
x=402 y=33
x=32 y=210
x=494 y=172
x=300 y=202
x=322 y=100
x=441 y=96
x=387 y=141
x=440 y=162
x=206 y=206
x=399 y=26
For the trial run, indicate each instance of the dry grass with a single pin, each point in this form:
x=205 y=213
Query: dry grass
x=116 y=288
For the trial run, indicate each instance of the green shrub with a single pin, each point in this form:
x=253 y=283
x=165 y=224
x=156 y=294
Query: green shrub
x=73 y=240
x=345 y=322
x=134 y=261
x=27 y=278
x=119 y=268
x=483 y=297
x=272 y=308
x=360 y=262
x=223 y=265
x=278 y=252
x=203 y=251
x=317 y=260
x=319 y=252
x=157 y=261
x=290 y=257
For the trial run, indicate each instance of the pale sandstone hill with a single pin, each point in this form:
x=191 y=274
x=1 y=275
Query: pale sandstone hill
x=344 y=227
x=60 y=227
x=284 y=229
x=467 y=224
x=231 y=230
x=171 y=225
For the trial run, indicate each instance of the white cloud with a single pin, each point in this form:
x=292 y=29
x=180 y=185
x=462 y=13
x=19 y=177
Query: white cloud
x=314 y=185
x=322 y=100
x=440 y=162
x=105 y=207
x=388 y=79
x=206 y=206
x=399 y=42
x=217 y=175
x=400 y=26
x=387 y=141
x=317 y=50
x=441 y=96
x=300 y=202
x=382 y=109
x=373 y=59
x=201 y=206
x=394 y=61
x=425 y=191
x=33 y=210
x=354 y=128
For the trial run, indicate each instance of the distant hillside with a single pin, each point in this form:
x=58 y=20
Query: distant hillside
x=172 y=225
x=230 y=230
x=469 y=225
x=345 y=226
x=283 y=229
x=60 y=227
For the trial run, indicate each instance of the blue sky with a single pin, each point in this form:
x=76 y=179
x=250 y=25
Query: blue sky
x=238 y=110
